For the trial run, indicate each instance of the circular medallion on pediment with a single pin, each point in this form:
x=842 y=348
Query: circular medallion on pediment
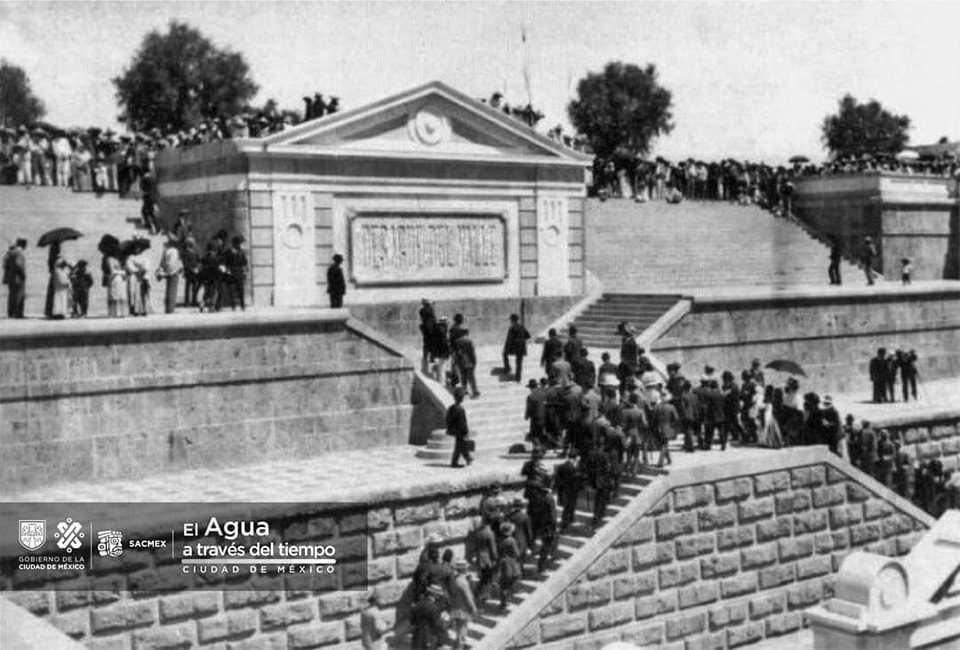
x=430 y=127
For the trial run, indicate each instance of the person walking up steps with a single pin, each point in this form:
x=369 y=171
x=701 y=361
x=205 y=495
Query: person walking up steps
x=457 y=427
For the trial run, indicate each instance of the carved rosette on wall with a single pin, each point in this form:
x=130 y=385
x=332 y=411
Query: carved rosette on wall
x=429 y=127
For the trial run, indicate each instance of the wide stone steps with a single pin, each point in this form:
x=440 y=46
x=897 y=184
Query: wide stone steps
x=636 y=247
x=597 y=325
x=569 y=543
x=29 y=213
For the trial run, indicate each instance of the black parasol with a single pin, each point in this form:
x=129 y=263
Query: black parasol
x=108 y=245
x=798 y=159
x=134 y=246
x=58 y=235
x=787 y=366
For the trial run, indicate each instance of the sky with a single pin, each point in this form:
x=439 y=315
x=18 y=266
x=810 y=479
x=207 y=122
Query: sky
x=750 y=80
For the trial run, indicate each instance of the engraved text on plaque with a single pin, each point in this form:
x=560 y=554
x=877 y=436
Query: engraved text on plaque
x=436 y=248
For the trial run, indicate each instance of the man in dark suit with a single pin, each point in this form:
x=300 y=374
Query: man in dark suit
x=878 y=369
x=15 y=277
x=336 y=285
x=457 y=427
x=567 y=483
x=908 y=374
x=585 y=372
x=571 y=349
x=716 y=420
x=890 y=375
x=536 y=411
x=552 y=350
x=516 y=345
x=465 y=361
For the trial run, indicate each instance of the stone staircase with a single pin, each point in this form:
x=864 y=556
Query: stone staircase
x=574 y=538
x=597 y=325
x=659 y=248
x=29 y=213
x=496 y=417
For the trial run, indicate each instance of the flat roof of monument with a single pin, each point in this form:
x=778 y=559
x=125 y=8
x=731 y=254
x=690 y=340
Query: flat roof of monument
x=431 y=120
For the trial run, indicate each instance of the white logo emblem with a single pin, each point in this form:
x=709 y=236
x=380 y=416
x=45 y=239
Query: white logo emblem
x=69 y=533
x=110 y=543
x=33 y=533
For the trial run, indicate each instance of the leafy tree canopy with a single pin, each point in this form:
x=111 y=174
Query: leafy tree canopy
x=18 y=104
x=180 y=78
x=621 y=110
x=858 y=129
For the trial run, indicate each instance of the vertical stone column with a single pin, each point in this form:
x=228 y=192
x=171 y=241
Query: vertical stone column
x=294 y=245
x=553 y=241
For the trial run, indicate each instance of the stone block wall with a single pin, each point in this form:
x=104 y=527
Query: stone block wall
x=103 y=614
x=915 y=217
x=930 y=440
x=128 y=398
x=832 y=338
x=724 y=563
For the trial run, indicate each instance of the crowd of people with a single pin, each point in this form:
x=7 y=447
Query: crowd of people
x=605 y=423
x=101 y=160
x=768 y=186
x=213 y=278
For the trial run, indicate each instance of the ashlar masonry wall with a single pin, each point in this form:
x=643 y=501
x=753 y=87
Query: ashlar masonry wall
x=381 y=544
x=832 y=337
x=725 y=562
x=134 y=397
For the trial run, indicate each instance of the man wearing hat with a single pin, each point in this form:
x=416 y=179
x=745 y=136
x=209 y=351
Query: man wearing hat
x=336 y=285
x=552 y=350
x=878 y=373
x=465 y=361
x=481 y=549
x=516 y=345
x=536 y=411
x=170 y=269
x=832 y=426
x=457 y=427
x=15 y=277
x=463 y=608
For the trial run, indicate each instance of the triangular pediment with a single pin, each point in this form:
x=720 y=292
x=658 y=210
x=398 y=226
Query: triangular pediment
x=433 y=121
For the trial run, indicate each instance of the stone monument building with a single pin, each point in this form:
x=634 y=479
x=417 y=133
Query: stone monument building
x=427 y=189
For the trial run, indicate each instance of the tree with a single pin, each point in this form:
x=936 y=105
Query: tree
x=18 y=104
x=180 y=78
x=621 y=110
x=858 y=129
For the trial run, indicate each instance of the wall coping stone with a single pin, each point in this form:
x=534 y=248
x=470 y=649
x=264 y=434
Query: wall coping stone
x=718 y=298
x=578 y=564
x=188 y=323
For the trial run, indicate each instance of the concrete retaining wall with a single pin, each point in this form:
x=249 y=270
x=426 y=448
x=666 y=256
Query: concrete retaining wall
x=725 y=558
x=832 y=337
x=908 y=216
x=102 y=614
x=117 y=398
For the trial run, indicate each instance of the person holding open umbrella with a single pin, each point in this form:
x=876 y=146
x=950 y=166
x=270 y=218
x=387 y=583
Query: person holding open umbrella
x=54 y=239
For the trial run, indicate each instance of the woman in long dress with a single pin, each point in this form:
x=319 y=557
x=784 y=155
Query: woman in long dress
x=769 y=435
x=60 y=282
x=136 y=273
x=116 y=288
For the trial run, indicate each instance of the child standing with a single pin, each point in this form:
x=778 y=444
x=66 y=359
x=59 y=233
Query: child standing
x=81 y=281
x=906 y=268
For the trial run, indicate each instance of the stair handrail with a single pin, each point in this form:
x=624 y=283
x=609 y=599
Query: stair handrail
x=589 y=552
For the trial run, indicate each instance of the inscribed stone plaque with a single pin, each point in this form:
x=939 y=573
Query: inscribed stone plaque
x=427 y=249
